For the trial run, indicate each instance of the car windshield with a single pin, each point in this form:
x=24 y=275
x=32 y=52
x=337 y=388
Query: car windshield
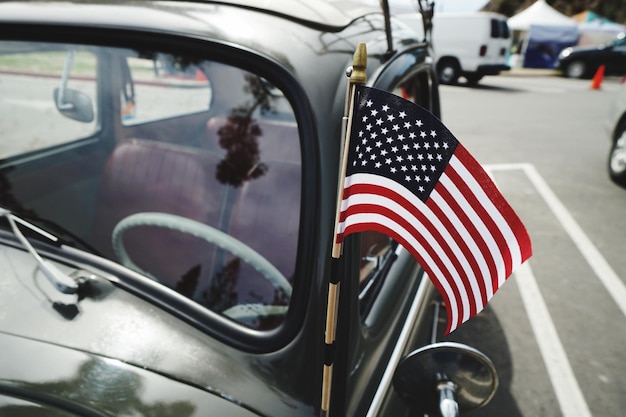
x=182 y=169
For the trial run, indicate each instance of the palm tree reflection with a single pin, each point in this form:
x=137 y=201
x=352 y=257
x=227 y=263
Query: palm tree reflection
x=239 y=136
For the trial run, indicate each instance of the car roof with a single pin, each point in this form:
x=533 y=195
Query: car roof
x=326 y=15
x=335 y=14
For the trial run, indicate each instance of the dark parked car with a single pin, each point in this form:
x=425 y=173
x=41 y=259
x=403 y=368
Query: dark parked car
x=584 y=61
x=168 y=176
x=616 y=130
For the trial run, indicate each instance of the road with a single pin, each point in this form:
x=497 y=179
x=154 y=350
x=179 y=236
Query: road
x=556 y=331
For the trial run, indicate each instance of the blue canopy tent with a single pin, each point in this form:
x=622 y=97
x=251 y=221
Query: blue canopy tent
x=545 y=43
x=544 y=33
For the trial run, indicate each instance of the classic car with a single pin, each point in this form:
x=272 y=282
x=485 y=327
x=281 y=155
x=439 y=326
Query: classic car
x=168 y=183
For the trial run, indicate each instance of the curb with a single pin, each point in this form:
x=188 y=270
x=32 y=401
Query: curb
x=530 y=72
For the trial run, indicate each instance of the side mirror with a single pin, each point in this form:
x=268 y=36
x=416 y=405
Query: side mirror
x=73 y=104
x=443 y=379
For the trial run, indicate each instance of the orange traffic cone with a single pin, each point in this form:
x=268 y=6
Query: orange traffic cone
x=597 y=79
x=200 y=76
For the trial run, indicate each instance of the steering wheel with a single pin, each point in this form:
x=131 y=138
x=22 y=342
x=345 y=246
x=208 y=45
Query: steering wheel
x=202 y=231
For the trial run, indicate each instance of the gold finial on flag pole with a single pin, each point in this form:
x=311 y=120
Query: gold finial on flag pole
x=359 y=64
x=357 y=76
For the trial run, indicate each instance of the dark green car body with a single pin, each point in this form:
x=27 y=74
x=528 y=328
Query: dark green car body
x=128 y=344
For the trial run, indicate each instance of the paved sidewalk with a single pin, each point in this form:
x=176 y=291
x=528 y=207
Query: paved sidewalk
x=530 y=72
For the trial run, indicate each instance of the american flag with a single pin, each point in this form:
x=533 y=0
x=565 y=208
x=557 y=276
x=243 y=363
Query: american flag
x=407 y=176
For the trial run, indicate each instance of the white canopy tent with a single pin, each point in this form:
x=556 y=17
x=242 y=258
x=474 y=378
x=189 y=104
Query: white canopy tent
x=540 y=14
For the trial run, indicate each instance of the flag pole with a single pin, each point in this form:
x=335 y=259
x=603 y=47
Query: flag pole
x=357 y=76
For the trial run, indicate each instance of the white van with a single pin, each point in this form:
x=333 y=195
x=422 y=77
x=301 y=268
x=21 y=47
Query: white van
x=470 y=45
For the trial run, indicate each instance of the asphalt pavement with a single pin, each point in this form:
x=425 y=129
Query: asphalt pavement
x=556 y=330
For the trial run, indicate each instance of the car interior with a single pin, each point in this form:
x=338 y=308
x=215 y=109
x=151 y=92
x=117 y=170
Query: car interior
x=128 y=134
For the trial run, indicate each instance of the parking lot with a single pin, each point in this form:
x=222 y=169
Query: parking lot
x=556 y=330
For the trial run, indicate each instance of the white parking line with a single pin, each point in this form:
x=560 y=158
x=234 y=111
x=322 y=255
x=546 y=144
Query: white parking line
x=607 y=276
x=564 y=382
x=565 y=385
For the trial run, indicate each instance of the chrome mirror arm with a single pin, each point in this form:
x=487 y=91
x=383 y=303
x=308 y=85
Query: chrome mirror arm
x=445 y=379
x=61 y=103
x=448 y=405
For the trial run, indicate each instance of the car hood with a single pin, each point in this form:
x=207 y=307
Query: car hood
x=41 y=327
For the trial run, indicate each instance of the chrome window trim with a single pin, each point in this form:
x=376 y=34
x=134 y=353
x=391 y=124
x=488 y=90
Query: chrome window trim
x=403 y=339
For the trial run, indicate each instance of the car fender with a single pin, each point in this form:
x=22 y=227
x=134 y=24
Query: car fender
x=73 y=382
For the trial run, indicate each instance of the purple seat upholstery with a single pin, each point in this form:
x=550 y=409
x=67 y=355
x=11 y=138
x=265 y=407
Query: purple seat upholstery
x=266 y=217
x=146 y=176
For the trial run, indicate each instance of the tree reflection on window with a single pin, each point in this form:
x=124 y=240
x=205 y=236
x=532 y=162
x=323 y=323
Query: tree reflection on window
x=240 y=135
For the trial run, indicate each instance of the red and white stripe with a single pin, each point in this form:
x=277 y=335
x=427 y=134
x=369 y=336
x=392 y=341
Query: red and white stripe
x=466 y=236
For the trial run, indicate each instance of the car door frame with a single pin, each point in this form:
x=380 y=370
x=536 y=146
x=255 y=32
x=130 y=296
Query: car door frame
x=369 y=347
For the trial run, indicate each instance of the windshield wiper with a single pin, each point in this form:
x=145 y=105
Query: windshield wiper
x=61 y=281
x=54 y=232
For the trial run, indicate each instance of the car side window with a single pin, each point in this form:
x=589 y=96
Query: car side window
x=148 y=80
x=232 y=155
x=376 y=256
x=40 y=83
x=193 y=178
